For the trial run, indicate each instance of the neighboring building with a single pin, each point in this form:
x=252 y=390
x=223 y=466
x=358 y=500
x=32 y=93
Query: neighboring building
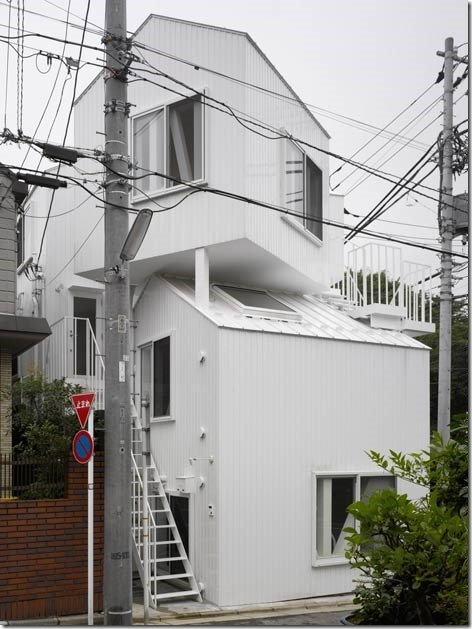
x=265 y=391
x=17 y=333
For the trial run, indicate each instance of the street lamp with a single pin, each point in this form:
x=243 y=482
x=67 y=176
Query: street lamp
x=136 y=235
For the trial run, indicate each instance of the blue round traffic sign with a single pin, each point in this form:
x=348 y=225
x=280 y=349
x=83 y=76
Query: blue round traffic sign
x=82 y=446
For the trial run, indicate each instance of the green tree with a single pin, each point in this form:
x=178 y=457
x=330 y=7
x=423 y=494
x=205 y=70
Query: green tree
x=413 y=555
x=459 y=359
x=43 y=419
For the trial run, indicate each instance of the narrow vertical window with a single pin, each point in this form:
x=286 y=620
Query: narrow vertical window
x=161 y=378
x=185 y=141
x=148 y=145
x=146 y=373
x=294 y=188
x=20 y=239
x=314 y=199
x=333 y=496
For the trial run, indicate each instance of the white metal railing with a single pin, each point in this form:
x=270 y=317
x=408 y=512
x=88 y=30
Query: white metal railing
x=377 y=274
x=72 y=352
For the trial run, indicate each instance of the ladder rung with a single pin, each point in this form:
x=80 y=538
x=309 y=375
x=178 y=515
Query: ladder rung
x=164 y=543
x=165 y=526
x=179 y=594
x=168 y=577
x=166 y=559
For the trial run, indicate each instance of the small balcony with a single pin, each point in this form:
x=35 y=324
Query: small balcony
x=72 y=353
x=382 y=289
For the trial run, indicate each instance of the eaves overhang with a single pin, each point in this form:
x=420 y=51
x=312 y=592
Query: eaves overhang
x=18 y=333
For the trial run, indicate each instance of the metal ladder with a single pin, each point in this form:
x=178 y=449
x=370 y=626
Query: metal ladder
x=165 y=544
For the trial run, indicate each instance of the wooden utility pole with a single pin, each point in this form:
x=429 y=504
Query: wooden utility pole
x=446 y=229
x=117 y=568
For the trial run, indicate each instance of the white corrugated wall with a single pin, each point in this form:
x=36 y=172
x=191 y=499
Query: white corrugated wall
x=194 y=395
x=290 y=406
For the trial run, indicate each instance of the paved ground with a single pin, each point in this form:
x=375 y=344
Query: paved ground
x=319 y=619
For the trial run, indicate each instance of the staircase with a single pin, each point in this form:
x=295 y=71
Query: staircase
x=72 y=352
x=169 y=572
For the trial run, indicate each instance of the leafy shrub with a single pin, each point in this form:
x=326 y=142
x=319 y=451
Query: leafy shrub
x=43 y=419
x=413 y=555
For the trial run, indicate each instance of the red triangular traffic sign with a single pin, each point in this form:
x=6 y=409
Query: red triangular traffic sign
x=82 y=403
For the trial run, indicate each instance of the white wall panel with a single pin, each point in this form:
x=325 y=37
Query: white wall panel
x=194 y=404
x=290 y=406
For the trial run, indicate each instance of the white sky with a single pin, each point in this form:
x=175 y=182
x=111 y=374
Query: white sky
x=366 y=60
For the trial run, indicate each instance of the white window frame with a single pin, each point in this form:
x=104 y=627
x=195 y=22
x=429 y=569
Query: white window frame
x=251 y=311
x=138 y=196
x=332 y=560
x=296 y=223
x=172 y=358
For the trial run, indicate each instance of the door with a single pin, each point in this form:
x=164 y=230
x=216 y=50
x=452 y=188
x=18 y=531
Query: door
x=84 y=354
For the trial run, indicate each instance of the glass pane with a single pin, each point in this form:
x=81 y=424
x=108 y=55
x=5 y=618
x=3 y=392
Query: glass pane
x=146 y=374
x=148 y=150
x=162 y=377
x=343 y=496
x=255 y=298
x=314 y=204
x=333 y=496
x=185 y=141
x=294 y=179
x=371 y=484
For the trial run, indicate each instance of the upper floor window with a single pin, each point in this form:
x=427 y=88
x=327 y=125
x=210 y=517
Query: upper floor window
x=304 y=188
x=168 y=140
x=20 y=239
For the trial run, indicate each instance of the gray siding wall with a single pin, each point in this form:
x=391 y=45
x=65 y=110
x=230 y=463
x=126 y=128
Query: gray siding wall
x=8 y=244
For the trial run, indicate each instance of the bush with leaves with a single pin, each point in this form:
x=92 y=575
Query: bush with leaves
x=413 y=555
x=43 y=419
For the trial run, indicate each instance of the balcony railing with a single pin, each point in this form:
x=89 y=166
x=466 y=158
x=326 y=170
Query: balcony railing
x=72 y=352
x=378 y=282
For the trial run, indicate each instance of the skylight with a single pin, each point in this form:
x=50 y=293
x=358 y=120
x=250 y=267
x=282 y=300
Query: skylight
x=255 y=298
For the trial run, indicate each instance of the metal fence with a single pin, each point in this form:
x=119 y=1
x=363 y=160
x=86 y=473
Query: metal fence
x=33 y=478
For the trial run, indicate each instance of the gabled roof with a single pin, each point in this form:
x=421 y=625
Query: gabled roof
x=225 y=30
x=319 y=319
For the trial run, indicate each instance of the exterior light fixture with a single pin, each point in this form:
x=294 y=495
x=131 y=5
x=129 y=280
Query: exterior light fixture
x=136 y=235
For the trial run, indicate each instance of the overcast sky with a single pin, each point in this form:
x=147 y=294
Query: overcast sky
x=365 y=60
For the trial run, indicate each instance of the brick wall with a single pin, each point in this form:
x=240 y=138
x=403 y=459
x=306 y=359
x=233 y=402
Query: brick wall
x=43 y=565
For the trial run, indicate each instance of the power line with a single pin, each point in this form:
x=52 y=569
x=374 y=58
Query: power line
x=77 y=252
x=277 y=135
x=241 y=198
x=65 y=134
x=422 y=114
x=377 y=209
x=8 y=67
x=296 y=100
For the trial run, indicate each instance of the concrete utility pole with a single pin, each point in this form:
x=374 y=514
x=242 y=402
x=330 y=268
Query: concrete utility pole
x=446 y=229
x=117 y=569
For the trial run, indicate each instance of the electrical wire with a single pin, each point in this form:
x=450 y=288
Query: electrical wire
x=422 y=114
x=7 y=68
x=77 y=252
x=65 y=134
x=237 y=197
x=277 y=134
x=374 y=212
x=268 y=91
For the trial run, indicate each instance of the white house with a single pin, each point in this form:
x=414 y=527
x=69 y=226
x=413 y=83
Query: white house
x=266 y=385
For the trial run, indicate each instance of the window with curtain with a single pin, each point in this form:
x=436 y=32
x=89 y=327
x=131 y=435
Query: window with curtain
x=168 y=140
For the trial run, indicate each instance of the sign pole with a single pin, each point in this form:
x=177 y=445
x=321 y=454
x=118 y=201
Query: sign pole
x=90 y=526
